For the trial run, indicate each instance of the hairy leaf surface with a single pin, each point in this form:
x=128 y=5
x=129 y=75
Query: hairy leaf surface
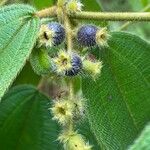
x=14 y=12
x=25 y=121
x=118 y=101
x=18 y=31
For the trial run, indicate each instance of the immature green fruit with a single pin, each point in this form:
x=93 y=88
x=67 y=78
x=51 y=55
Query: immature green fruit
x=40 y=61
x=93 y=68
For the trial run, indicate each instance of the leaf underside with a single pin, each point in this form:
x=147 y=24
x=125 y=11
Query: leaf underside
x=118 y=101
x=18 y=31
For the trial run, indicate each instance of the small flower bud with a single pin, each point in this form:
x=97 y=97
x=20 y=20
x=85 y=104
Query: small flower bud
x=72 y=6
x=62 y=111
x=102 y=37
x=93 y=68
x=60 y=3
x=74 y=141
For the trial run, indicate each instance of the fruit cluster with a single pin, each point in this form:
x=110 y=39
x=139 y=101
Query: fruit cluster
x=67 y=112
x=49 y=58
x=65 y=63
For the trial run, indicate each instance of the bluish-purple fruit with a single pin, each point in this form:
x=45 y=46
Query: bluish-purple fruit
x=76 y=63
x=59 y=33
x=86 y=35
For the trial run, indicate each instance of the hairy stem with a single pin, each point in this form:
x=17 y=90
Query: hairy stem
x=69 y=36
x=125 y=25
x=68 y=32
x=106 y=16
x=48 y=12
x=3 y=2
x=69 y=46
x=113 y=16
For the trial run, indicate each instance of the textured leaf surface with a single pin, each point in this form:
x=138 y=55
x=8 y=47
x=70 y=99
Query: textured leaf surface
x=18 y=31
x=42 y=4
x=118 y=102
x=14 y=12
x=143 y=142
x=25 y=121
x=85 y=130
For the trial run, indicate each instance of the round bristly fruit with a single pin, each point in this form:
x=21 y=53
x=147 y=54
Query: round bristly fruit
x=68 y=64
x=86 y=35
x=76 y=63
x=51 y=34
x=59 y=32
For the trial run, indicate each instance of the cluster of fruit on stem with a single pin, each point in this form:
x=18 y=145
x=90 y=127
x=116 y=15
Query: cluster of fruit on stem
x=51 y=59
x=68 y=62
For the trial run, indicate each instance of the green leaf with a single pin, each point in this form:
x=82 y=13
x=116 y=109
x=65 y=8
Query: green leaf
x=26 y=76
x=42 y=4
x=14 y=12
x=118 y=101
x=25 y=121
x=143 y=141
x=18 y=34
x=85 y=130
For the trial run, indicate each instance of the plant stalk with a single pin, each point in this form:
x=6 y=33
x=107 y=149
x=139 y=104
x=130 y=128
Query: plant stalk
x=112 y=16
x=48 y=12
x=105 y=16
x=3 y=2
x=68 y=32
x=69 y=35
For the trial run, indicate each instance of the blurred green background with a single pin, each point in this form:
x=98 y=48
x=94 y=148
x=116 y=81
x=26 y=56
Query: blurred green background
x=139 y=28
